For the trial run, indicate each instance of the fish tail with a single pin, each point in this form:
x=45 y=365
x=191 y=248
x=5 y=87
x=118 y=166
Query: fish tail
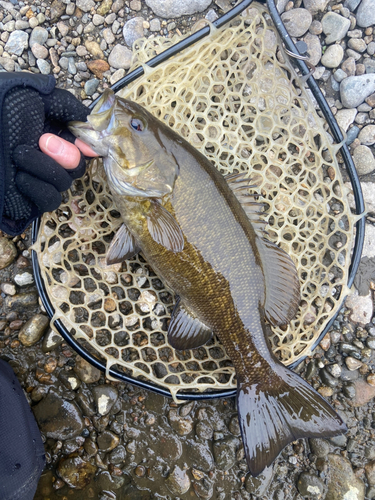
x=277 y=410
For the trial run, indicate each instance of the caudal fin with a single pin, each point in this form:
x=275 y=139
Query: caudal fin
x=279 y=410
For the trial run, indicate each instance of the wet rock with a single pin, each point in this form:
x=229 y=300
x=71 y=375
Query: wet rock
x=258 y=486
x=224 y=451
x=8 y=252
x=85 y=371
x=77 y=473
x=297 y=21
x=335 y=27
x=204 y=430
x=33 y=330
x=51 y=340
x=178 y=481
x=98 y=67
x=367 y=135
x=339 y=440
x=361 y=306
x=182 y=425
x=105 y=396
x=170 y=447
x=234 y=426
x=176 y=8
x=342 y=482
x=38 y=35
x=310 y=486
x=90 y=447
x=365 y=15
x=17 y=42
x=120 y=57
x=319 y=447
x=314 y=48
x=118 y=455
x=355 y=89
x=109 y=482
x=352 y=363
x=70 y=380
x=200 y=455
x=22 y=301
x=333 y=56
x=58 y=418
x=133 y=30
x=364 y=393
x=107 y=441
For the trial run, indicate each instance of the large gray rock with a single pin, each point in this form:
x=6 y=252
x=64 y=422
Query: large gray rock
x=133 y=30
x=335 y=27
x=366 y=13
x=176 y=8
x=38 y=35
x=355 y=89
x=17 y=42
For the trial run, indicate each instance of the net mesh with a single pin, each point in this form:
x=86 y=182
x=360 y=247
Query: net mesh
x=236 y=98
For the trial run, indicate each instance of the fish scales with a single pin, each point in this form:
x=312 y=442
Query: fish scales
x=196 y=234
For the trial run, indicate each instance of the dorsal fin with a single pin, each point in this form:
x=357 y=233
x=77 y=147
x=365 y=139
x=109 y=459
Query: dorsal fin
x=240 y=185
x=283 y=293
x=185 y=331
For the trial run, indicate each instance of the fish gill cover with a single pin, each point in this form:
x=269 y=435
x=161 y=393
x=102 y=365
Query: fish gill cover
x=236 y=98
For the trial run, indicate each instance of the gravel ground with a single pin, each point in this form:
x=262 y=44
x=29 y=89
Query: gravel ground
x=139 y=445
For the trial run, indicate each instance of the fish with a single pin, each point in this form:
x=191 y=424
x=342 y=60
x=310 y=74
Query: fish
x=204 y=235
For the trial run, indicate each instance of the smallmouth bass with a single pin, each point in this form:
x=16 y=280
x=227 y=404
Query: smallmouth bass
x=202 y=234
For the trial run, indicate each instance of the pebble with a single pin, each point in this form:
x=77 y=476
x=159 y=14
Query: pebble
x=118 y=455
x=17 y=42
x=22 y=301
x=345 y=117
x=58 y=418
x=115 y=77
x=94 y=49
x=364 y=160
x=105 y=396
x=33 y=330
x=315 y=6
x=8 y=288
x=349 y=66
x=133 y=30
x=333 y=56
x=355 y=89
x=24 y=279
x=70 y=380
x=367 y=135
x=85 y=5
x=182 y=425
x=320 y=447
x=85 y=371
x=120 y=57
x=178 y=482
x=44 y=66
x=365 y=15
x=199 y=455
x=297 y=21
x=107 y=441
x=370 y=472
x=8 y=64
x=310 y=486
x=371 y=379
x=342 y=482
x=369 y=243
x=98 y=67
x=369 y=64
x=76 y=472
x=39 y=51
x=224 y=451
x=91 y=86
x=38 y=35
x=104 y=7
x=334 y=27
x=155 y=24
x=8 y=251
x=314 y=48
x=108 y=36
x=175 y=8
x=357 y=44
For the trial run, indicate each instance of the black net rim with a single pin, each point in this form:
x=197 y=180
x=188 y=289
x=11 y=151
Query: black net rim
x=344 y=150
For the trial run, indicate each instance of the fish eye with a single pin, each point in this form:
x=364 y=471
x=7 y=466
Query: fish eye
x=137 y=124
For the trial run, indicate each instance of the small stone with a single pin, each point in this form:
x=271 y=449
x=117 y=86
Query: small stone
x=17 y=42
x=178 y=481
x=8 y=251
x=44 y=66
x=326 y=392
x=107 y=441
x=76 y=472
x=339 y=75
x=310 y=486
x=98 y=67
x=97 y=20
x=8 y=288
x=22 y=301
x=365 y=15
x=297 y=21
x=155 y=24
x=357 y=44
x=135 y=5
x=355 y=89
x=371 y=379
x=118 y=455
x=33 y=330
x=85 y=371
x=342 y=482
x=39 y=51
x=38 y=35
x=85 y=5
x=91 y=86
x=115 y=77
x=367 y=135
x=319 y=447
x=120 y=57
x=345 y=117
x=24 y=279
x=8 y=64
x=51 y=340
x=108 y=36
x=182 y=426
x=364 y=160
x=199 y=455
x=370 y=472
x=70 y=380
x=314 y=48
x=105 y=397
x=334 y=26
x=63 y=28
x=369 y=65
x=133 y=30
x=224 y=451
x=175 y=8
x=352 y=363
x=94 y=49
x=332 y=57
x=348 y=66
x=33 y=22
x=105 y=7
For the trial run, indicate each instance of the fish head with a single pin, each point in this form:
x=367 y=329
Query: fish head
x=129 y=138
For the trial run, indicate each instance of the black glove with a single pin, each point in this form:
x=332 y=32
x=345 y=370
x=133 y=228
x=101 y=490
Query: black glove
x=30 y=181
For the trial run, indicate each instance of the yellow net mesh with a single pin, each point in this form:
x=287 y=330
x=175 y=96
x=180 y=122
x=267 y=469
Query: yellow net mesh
x=232 y=98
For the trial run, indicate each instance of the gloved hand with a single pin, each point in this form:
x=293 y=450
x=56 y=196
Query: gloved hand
x=31 y=181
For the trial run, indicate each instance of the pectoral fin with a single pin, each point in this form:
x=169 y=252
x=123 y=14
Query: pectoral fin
x=122 y=247
x=164 y=228
x=185 y=330
x=282 y=284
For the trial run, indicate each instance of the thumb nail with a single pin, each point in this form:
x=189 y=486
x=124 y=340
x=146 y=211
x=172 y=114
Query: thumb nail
x=54 y=145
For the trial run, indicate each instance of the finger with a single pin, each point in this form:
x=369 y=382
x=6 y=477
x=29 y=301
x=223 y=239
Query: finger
x=62 y=106
x=44 y=195
x=85 y=148
x=62 y=151
x=41 y=167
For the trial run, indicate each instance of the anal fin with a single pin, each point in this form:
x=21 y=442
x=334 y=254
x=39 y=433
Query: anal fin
x=185 y=330
x=122 y=247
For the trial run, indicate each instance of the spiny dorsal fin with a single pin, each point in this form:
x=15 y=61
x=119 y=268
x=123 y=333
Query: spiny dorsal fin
x=240 y=185
x=164 y=228
x=283 y=293
x=185 y=331
x=122 y=247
